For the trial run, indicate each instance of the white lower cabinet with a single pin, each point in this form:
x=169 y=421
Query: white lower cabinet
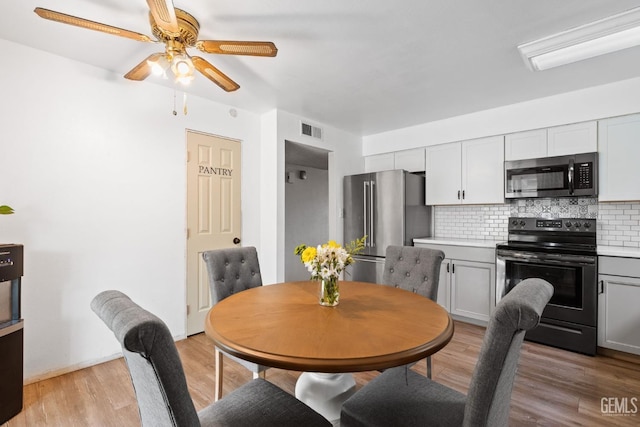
x=466 y=286
x=471 y=289
x=618 y=301
x=444 y=284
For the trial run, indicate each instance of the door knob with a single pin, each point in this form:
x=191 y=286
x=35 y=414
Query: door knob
x=236 y=240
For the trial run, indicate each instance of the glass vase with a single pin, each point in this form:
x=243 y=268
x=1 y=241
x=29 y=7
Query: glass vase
x=329 y=292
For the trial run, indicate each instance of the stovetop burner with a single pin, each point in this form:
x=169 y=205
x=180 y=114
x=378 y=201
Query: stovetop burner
x=558 y=235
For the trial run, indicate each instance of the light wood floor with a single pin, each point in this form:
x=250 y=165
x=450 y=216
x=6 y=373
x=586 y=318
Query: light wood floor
x=553 y=387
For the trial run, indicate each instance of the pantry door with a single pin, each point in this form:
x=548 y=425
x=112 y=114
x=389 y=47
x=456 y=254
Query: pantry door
x=213 y=213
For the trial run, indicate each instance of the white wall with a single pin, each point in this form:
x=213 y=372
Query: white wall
x=345 y=159
x=588 y=104
x=94 y=166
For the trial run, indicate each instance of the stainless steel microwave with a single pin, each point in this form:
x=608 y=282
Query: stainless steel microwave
x=561 y=176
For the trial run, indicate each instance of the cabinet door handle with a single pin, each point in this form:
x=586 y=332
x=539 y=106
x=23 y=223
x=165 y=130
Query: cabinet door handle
x=447 y=267
x=458 y=194
x=453 y=268
x=462 y=194
x=601 y=287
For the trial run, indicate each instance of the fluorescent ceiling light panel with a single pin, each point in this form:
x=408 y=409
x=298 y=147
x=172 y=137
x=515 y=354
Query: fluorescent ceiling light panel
x=607 y=35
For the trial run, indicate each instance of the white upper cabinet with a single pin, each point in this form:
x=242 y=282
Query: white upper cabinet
x=379 y=162
x=619 y=158
x=444 y=174
x=526 y=145
x=555 y=141
x=465 y=172
x=483 y=170
x=572 y=139
x=409 y=160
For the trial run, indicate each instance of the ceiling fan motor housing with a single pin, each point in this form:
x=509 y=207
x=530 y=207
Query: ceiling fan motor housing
x=189 y=28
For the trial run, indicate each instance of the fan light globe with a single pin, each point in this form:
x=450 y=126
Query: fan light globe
x=182 y=67
x=159 y=66
x=185 y=80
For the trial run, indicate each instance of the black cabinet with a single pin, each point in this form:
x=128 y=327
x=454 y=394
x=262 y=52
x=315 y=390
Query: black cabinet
x=11 y=332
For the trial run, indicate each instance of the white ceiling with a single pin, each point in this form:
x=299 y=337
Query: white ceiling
x=365 y=66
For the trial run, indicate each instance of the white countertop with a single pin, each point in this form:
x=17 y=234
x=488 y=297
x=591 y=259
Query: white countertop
x=458 y=242
x=619 y=251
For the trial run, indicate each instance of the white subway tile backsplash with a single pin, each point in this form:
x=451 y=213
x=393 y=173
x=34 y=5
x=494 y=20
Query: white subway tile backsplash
x=618 y=223
x=482 y=222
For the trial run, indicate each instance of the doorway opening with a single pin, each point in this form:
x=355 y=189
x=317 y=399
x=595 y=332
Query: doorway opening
x=306 y=203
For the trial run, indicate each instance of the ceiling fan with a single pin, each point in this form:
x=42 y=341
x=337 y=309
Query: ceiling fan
x=178 y=30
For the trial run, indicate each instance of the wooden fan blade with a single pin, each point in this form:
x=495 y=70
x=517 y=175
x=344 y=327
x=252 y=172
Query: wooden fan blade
x=91 y=25
x=237 y=47
x=143 y=69
x=215 y=75
x=165 y=16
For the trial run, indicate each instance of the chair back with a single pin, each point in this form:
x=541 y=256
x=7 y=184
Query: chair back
x=153 y=361
x=413 y=269
x=489 y=396
x=232 y=270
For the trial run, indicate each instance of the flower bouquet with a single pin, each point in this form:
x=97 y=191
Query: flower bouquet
x=326 y=262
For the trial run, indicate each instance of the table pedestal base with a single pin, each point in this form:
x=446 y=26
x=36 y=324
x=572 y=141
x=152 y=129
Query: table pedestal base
x=325 y=393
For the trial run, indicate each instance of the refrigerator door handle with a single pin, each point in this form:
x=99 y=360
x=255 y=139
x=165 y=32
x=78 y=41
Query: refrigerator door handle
x=372 y=204
x=365 y=188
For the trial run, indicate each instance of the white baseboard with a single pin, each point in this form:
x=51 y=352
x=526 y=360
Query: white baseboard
x=57 y=372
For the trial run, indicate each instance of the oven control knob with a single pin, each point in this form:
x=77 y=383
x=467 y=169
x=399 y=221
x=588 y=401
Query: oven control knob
x=568 y=224
x=577 y=224
x=587 y=225
x=514 y=222
x=522 y=223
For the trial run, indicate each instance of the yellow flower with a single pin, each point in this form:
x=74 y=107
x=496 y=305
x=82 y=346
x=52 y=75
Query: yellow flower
x=332 y=244
x=309 y=254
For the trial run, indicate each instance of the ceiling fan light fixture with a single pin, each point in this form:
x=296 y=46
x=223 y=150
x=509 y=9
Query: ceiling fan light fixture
x=159 y=66
x=600 y=37
x=182 y=67
x=184 y=80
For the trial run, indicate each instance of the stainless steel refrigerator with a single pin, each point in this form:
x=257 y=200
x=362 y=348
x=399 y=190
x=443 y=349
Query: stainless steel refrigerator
x=388 y=207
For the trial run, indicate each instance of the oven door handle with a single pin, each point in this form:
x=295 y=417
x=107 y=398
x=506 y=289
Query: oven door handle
x=549 y=259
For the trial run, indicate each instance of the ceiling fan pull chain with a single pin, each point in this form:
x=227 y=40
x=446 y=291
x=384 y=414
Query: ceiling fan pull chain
x=175 y=113
x=184 y=103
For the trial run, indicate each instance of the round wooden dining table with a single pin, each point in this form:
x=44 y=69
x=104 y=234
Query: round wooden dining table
x=284 y=326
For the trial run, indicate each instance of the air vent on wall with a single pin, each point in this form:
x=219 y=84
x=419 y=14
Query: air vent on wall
x=309 y=130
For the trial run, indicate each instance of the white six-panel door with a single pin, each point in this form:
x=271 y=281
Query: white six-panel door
x=213 y=213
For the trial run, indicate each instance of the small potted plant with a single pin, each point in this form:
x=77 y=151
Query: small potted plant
x=5 y=210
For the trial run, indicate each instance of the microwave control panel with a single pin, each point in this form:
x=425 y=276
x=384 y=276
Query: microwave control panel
x=584 y=176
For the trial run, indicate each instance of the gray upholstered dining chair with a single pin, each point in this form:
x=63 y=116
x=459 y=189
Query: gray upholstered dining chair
x=414 y=269
x=232 y=270
x=400 y=396
x=160 y=384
